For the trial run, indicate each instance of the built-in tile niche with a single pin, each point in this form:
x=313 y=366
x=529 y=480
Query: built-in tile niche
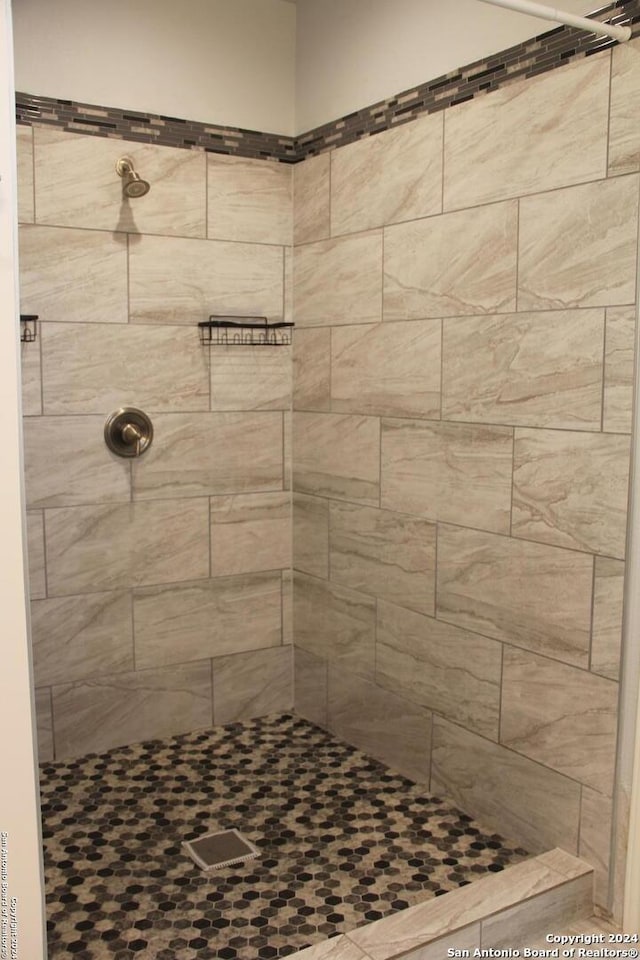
x=160 y=587
x=462 y=401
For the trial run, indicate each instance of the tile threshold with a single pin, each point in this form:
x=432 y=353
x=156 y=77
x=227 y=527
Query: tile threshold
x=435 y=924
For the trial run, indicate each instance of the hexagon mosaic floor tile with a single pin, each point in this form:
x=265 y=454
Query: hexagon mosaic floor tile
x=343 y=840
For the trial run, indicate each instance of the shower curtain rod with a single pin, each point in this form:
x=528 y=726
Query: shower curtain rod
x=559 y=16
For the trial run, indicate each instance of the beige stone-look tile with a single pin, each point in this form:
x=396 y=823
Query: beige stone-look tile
x=288 y=285
x=560 y=716
x=535 y=596
x=570 y=489
x=608 y=598
x=595 y=839
x=24 y=147
x=287 y=450
x=211 y=618
x=208 y=454
x=44 y=722
x=339 y=281
x=67 y=462
x=392 y=176
x=438 y=267
x=312 y=369
x=546 y=132
x=442 y=667
x=93 y=368
x=618 y=369
x=388 y=555
x=311 y=199
x=252 y=684
x=78 y=637
x=507 y=792
x=337 y=455
x=249 y=199
x=458 y=473
x=173 y=280
x=287 y=607
x=31 y=379
x=624 y=135
x=337 y=948
x=466 y=939
x=250 y=378
x=77 y=185
x=568 y=866
x=35 y=550
x=91 y=716
x=250 y=532
x=73 y=275
x=311 y=535
x=335 y=623
x=387 y=727
x=310 y=686
x=123 y=545
x=536 y=369
x=523 y=924
x=391 y=370
x=577 y=247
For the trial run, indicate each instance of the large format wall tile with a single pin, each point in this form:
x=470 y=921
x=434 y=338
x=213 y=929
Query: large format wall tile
x=73 y=275
x=335 y=623
x=201 y=454
x=519 y=798
x=535 y=596
x=339 y=281
x=578 y=246
x=560 y=716
x=440 y=666
x=312 y=369
x=337 y=456
x=287 y=606
x=545 y=133
x=35 y=549
x=249 y=200
x=125 y=545
x=77 y=185
x=78 y=637
x=310 y=686
x=24 y=144
x=393 y=176
x=387 y=727
x=250 y=378
x=91 y=716
x=389 y=555
x=392 y=370
x=618 y=369
x=67 y=462
x=624 y=135
x=93 y=368
x=212 y=618
x=31 y=370
x=44 y=722
x=311 y=535
x=537 y=369
x=173 y=280
x=252 y=684
x=250 y=532
x=608 y=597
x=570 y=489
x=458 y=473
x=439 y=267
x=311 y=199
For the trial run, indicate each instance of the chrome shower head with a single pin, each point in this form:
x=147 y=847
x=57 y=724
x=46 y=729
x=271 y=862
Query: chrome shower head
x=134 y=185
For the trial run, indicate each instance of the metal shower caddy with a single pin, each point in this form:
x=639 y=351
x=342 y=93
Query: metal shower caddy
x=244 y=331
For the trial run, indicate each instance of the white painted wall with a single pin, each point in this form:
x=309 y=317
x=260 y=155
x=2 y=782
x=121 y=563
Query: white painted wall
x=218 y=61
x=19 y=810
x=352 y=53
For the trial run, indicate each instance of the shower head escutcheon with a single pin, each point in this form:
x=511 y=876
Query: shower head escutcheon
x=134 y=185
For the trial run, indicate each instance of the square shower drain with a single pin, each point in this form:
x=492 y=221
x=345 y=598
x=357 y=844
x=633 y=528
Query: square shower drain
x=220 y=849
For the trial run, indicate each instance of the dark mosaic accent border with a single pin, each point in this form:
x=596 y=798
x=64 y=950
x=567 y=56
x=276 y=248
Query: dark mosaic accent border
x=528 y=59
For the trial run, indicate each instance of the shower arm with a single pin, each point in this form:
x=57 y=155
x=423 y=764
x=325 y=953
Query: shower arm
x=559 y=16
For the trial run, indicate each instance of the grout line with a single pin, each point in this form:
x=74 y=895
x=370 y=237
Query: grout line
x=500 y=689
x=592 y=612
x=513 y=479
x=53 y=726
x=604 y=369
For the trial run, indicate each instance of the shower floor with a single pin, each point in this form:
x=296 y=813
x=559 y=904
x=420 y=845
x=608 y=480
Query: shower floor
x=343 y=840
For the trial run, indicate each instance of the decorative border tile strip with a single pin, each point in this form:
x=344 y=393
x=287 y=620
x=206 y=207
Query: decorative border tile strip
x=528 y=59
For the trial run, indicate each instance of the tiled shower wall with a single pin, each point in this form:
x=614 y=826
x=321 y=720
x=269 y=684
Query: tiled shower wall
x=464 y=291
x=160 y=587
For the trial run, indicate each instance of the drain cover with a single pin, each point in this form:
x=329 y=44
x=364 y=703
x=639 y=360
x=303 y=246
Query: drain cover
x=220 y=849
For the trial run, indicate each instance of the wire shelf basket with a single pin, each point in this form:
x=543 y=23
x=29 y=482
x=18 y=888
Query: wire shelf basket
x=244 y=331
